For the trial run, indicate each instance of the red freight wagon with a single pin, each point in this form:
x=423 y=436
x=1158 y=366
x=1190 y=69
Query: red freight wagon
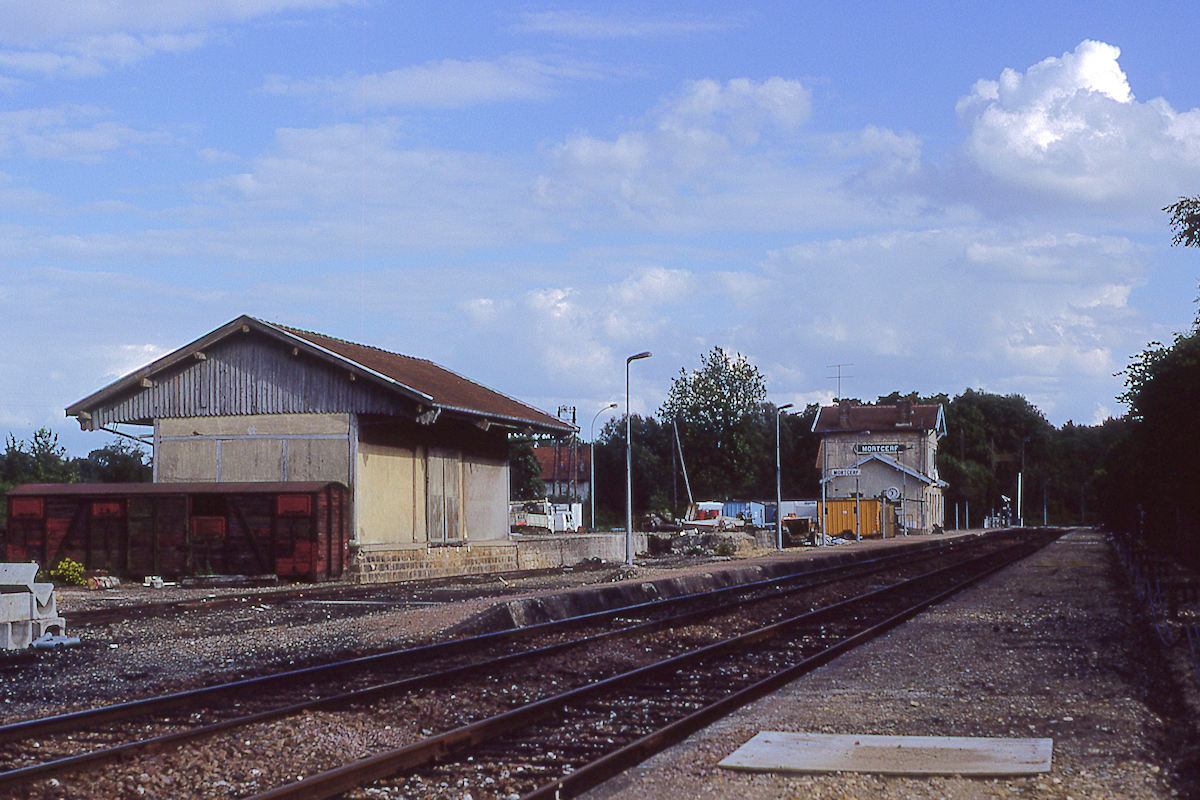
x=292 y=529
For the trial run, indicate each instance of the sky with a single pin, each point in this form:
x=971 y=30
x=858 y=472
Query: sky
x=941 y=196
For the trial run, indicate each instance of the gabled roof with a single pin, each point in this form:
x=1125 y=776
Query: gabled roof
x=847 y=418
x=545 y=458
x=416 y=379
x=896 y=465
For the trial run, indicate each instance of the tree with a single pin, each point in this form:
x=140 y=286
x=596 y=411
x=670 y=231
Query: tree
x=119 y=462
x=722 y=418
x=1185 y=220
x=525 y=473
x=651 y=479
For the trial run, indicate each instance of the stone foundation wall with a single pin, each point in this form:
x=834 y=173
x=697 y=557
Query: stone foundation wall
x=378 y=563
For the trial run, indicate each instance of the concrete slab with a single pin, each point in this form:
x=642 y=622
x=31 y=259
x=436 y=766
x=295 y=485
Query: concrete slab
x=783 y=751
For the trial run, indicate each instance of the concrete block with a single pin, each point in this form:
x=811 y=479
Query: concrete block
x=783 y=751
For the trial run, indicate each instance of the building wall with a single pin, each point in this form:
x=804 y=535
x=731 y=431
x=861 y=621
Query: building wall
x=446 y=483
x=410 y=484
x=254 y=447
x=390 y=493
x=920 y=455
x=921 y=505
x=485 y=498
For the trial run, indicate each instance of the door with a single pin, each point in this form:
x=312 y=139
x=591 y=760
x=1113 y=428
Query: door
x=443 y=493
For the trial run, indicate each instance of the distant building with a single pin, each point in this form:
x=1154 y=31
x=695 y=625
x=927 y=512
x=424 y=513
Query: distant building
x=566 y=470
x=886 y=453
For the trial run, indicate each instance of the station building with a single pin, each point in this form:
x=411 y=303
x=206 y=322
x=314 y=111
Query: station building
x=886 y=456
x=422 y=451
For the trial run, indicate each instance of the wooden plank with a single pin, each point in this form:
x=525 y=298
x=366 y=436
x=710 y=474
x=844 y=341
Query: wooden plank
x=783 y=751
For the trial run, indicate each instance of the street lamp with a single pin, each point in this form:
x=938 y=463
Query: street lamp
x=629 y=463
x=592 y=469
x=1020 y=481
x=778 y=481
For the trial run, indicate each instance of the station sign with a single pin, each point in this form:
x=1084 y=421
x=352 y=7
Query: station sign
x=878 y=447
x=845 y=472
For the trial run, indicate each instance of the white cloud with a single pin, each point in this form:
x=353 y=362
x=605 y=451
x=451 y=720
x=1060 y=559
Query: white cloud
x=91 y=37
x=715 y=156
x=587 y=25
x=746 y=106
x=70 y=133
x=448 y=83
x=97 y=54
x=1034 y=312
x=1071 y=127
x=29 y=24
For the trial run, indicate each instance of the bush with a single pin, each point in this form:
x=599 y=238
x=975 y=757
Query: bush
x=68 y=572
x=725 y=548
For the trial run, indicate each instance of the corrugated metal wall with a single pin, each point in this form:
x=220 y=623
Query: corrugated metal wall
x=250 y=375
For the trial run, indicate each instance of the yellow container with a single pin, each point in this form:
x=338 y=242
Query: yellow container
x=867 y=518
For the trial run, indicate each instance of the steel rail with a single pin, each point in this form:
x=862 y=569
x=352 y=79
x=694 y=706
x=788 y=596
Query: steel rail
x=383 y=765
x=596 y=772
x=149 y=705
x=277 y=597
x=45 y=769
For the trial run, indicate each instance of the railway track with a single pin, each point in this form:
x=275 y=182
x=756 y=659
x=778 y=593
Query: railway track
x=373 y=596
x=474 y=669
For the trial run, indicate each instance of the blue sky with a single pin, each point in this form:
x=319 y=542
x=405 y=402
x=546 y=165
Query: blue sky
x=944 y=196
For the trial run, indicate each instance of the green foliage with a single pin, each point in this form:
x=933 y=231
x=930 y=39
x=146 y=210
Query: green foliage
x=1151 y=475
x=722 y=416
x=525 y=474
x=68 y=572
x=724 y=548
x=119 y=462
x=1185 y=221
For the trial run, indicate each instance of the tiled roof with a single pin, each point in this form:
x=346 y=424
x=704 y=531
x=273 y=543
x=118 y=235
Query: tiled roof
x=545 y=456
x=448 y=390
x=416 y=379
x=851 y=418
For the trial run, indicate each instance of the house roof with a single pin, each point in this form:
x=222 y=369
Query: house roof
x=416 y=379
x=545 y=456
x=847 y=418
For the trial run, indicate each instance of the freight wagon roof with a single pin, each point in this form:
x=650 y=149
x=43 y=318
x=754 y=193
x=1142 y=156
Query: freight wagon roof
x=110 y=489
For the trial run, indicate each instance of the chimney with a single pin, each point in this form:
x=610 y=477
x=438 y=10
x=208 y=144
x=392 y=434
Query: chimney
x=904 y=412
x=843 y=413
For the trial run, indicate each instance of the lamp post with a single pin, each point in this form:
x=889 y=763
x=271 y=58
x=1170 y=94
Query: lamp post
x=629 y=462
x=1020 y=487
x=592 y=467
x=778 y=481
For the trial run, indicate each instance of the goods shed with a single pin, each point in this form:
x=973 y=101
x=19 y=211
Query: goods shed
x=421 y=450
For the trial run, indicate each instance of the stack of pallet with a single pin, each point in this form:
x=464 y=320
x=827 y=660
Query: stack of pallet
x=28 y=610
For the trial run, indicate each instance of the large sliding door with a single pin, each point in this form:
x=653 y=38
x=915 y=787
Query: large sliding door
x=443 y=504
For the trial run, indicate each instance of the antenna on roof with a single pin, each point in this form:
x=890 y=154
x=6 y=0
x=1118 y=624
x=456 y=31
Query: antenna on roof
x=838 y=377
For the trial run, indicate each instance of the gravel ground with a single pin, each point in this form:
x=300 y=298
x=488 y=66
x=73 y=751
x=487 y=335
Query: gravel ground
x=150 y=655
x=1050 y=647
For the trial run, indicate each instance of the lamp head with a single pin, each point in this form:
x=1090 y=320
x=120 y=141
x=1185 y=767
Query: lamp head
x=645 y=354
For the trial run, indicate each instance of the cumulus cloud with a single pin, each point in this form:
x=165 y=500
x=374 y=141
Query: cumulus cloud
x=1071 y=127
x=1032 y=312
x=712 y=156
